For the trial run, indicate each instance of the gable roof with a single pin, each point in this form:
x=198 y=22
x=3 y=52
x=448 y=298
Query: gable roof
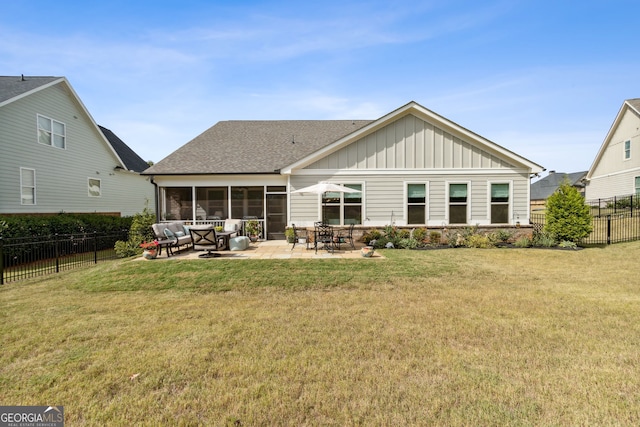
x=545 y=187
x=132 y=161
x=628 y=105
x=280 y=146
x=253 y=147
x=429 y=116
x=15 y=87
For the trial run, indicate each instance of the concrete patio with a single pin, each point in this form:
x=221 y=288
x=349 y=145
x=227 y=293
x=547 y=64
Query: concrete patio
x=276 y=249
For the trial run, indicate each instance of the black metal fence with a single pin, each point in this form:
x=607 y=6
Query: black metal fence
x=627 y=205
x=26 y=257
x=607 y=229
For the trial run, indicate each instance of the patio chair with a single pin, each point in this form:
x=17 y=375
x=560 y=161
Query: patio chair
x=205 y=239
x=323 y=235
x=348 y=237
x=297 y=235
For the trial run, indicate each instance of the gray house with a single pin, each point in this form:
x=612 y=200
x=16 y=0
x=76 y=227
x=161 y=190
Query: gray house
x=616 y=168
x=412 y=167
x=56 y=158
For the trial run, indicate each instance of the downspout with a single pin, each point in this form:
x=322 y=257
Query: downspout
x=156 y=194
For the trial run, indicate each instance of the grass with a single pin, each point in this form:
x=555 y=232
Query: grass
x=451 y=337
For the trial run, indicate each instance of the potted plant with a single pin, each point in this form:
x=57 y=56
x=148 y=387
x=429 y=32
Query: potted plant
x=253 y=229
x=290 y=235
x=150 y=249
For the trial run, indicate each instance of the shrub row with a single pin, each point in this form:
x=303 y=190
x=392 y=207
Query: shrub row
x=15 y=226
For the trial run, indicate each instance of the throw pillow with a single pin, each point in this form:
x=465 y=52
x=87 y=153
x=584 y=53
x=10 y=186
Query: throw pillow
x=179 y=233
x=168 y=233
x=230 y=227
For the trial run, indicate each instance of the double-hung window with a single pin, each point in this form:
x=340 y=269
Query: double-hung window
x=343 y=208
x=499 y=203
x=458 y=201
x=627 y=150
x=637 y=185
x=51 y=132
x=416 y=204
x=27 y=186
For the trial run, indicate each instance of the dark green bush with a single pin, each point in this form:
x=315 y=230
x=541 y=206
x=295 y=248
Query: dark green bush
x=139 y=232
x=568 y=217
x=63 y=223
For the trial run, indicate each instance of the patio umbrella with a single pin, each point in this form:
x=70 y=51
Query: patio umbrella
x=326 y=187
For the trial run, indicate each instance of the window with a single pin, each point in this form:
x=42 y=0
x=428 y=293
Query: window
x=211 y=203
x=457 y=203
x=51 y=132
x=94 y=187
x=416 y=203
x=343 y=208
x=27 y=186
x=499 y=203
x=247 y=202
x=637 y=186
x=627 y=150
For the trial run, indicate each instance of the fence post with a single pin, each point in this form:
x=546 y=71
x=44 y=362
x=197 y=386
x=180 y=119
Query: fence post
x=57 y=250
x=1 y=262
x=608 y=229
x=95 y=247
x=599 y=207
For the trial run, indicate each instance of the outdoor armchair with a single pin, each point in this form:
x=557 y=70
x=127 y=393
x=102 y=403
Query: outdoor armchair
x=205 y=239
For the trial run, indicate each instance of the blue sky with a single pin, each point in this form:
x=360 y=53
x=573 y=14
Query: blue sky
x=544 y=79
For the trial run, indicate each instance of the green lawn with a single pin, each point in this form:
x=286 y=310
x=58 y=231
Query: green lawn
x=437 y=337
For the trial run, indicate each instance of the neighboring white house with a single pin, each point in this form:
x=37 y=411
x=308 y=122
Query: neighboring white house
x=55 y=158
x=616 y=168
x=412 y=166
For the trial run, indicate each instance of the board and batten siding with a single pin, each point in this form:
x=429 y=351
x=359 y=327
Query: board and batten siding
x=410 y=143
x=412 y=150
x=614 y=175
x=62 y=174
x=384 y=197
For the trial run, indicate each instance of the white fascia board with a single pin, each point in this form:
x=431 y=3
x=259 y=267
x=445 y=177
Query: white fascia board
x=93 y=122
x=32 y=91
x=607 y=139
x=396 y=172
x=429 y=116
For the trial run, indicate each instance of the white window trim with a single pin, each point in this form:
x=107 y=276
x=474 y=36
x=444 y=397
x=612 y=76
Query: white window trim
x=469 y=200
x=489 y=204
x=345 y=183
x=405 y=203
x=52 y=133
x=624 y=150
x=22 y=186
x=89 y=186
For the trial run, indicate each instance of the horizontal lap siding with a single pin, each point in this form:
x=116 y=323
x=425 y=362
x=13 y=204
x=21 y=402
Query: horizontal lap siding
x=62 y=175
x=384 y=196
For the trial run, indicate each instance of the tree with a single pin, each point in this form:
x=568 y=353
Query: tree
x=568 y=218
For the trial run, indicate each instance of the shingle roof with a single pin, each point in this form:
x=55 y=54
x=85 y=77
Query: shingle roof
x=635 y=103
x=543 y=188
x=12 y=86
x=132 y=161
x=233 y=147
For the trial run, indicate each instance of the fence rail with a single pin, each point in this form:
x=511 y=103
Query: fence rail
x=22 y=258
x=621 y=227
x=627 y=205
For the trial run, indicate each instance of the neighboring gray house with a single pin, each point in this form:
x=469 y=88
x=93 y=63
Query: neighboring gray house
x=55 y=158
x=543 y=188
x=616 y=168
x=412 y=166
